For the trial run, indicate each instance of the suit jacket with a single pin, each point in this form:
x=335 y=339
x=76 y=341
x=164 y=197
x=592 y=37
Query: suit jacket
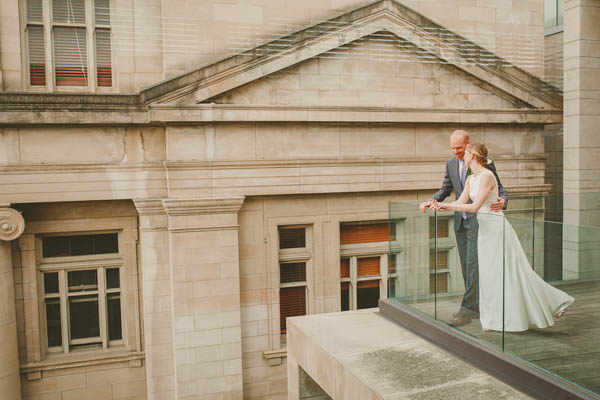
x=452 y=183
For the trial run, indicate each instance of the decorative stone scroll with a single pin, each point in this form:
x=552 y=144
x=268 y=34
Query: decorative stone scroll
x=12 y=224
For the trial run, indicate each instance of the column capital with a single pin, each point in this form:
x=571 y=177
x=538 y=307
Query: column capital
x=206 y=205
x=12 y=223
x=149 y=206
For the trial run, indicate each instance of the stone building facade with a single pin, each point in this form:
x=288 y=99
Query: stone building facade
x=160 y=208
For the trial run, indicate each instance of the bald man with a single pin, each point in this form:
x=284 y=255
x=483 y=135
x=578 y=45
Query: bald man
x=465 y=225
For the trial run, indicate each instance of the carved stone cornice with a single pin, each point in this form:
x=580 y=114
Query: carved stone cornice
x=149 y=206
x=200 y=206
x=12 y=223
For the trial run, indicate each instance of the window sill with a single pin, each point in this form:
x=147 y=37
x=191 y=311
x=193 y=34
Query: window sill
x=553 y=30
x=34 y=370
x=274 y=357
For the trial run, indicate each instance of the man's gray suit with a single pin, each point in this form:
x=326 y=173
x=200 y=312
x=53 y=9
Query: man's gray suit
x=466 y=233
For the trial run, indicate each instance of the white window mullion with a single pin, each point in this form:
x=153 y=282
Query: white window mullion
x=64 y=319
x=353 y=282
x=50 y=78
x=383 y=270
x=91 y=45
x=102 y=308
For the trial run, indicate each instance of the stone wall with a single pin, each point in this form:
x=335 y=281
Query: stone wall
x=159 y=41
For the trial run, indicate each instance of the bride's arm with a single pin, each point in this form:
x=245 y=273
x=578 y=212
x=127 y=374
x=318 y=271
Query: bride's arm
x=485 y=187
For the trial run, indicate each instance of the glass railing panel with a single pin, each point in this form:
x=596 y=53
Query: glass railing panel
x=521 y=256
x=566 y=346
x=409 y=257
x=480 y=258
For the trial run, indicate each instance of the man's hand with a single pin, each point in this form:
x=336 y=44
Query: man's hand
x=498 y=205
x=424 y=205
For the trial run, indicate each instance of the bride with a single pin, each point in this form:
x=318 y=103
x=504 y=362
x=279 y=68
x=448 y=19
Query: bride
x=503 y=266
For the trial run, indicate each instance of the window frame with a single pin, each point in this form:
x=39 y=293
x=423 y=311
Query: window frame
x=33 y=352
x=48 y=26
x=356 y=251
x=556 y=27
x=295 y=255
x=62 y=265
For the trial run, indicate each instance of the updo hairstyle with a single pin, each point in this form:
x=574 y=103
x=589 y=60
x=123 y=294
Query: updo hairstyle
x=479 y=151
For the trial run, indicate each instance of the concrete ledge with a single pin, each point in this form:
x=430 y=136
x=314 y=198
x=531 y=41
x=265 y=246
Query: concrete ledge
x=363 y=355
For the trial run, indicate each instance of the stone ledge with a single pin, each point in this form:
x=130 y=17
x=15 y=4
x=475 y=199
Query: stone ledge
x=82 y=360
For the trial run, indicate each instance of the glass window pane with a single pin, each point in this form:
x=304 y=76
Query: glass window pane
x=53 y=328
x=367 y=294
x=84 y=317
x=560 y=13
x=55 y=246
x=82 y=280
x=345 y=268
x=34 y=10
x=106 y=243
x=102 y=12
x=550 y=13
x=70 y=56
x=62 y=246
x=292 y=302
x=292 y=272
x=51 y=282
x=103 y=58
x=37 y=56
x=290 y=238
x=113 y=303
x=352 y=233
x=368 y=266
x=68 y=11
x=112 y=278
x=81 y=245
x=345 y=296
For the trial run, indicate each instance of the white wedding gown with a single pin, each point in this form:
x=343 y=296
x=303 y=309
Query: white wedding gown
x=529 y=302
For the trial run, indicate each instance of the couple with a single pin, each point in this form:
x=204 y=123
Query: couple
x=495 y=268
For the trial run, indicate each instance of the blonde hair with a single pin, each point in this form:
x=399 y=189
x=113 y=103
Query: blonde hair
x=479 y=151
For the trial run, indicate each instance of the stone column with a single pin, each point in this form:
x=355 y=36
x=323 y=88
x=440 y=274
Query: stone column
x=581 y=139
x=157 y=299
x=204 y=258
x=11 y=227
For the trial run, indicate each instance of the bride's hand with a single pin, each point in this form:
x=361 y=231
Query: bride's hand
x=442 y=207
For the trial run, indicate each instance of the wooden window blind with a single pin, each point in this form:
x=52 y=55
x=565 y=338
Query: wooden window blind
x=442 y=283
x=364 y=233
x=34 y=11
x=70 y=56
x=103 y=58
x=292 y=302
x=368 y=266
x=392 y=264
x=37 y=56
x=290 y=238
x=68 y=11
x=101 y=12
x=292 y=272
x=442 y=227
x=442 y=259
x=345 y=268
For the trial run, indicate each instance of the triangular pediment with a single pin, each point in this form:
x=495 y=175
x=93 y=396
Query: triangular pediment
x=382 y=55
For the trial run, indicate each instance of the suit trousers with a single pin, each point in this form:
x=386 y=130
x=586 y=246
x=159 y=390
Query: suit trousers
x=466 y=240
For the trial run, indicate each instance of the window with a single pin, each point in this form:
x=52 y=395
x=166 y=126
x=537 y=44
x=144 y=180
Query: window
x=69 y=41
x=553 y=15
x=364 y=271
x=439 y=277
x=81 y=283
x=294 y=261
